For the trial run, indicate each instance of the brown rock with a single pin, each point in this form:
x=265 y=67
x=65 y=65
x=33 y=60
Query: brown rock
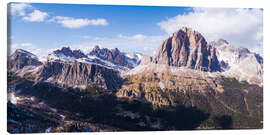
x=187 y=48
x=21 y=58
x=76 y=74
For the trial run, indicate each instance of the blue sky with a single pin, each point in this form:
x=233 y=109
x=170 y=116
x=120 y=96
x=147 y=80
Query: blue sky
x=41 y=28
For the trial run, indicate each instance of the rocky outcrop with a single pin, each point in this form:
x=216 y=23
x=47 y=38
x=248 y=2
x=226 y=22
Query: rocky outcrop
x=114 y=56
x=81 y=75
x=219 y=96
x=66 y=51
x=146 y=59
x=239 y=62
x=187 y=48
x=21 y=58
x=156 y=87
x=62 y=68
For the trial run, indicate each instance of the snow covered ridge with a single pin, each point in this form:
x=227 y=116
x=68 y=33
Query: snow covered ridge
x=134 y=58
x=233 y=61
x=27 y=54
x=104 y=58
x=126 y=61
x=134 y=55
x=87 y=60
x=239 y=62
x=68 y=55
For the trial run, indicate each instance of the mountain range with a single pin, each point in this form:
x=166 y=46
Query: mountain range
x=222 y=81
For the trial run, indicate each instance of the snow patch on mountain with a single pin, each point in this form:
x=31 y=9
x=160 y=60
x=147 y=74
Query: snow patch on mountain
x=239 y=62
x=28 y=54
x=178 y=71
x=68 y=56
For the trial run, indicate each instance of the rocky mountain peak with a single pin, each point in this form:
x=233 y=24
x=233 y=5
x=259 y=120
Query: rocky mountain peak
x=22 y=51
x=21 y=58
x=220 y=42
x=25 y=53
x=114 y=56
x=223 y=41
x=240 y=62
x=96 y=48
x=66 y=51
x=115 y=51
x=186 y=34
x=104 y=51
x=187 y=48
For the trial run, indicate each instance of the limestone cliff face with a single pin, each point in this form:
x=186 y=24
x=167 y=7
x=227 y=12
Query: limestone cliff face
x=76 y=74
x=187 y=48
x=64 y=71
x=216 y=96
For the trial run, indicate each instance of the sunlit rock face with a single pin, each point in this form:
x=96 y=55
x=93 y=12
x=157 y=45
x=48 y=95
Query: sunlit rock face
x=187 y=48
x=77 y=74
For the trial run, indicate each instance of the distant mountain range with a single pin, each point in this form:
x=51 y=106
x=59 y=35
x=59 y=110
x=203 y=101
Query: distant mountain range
x=185 y=48
x=217 y=78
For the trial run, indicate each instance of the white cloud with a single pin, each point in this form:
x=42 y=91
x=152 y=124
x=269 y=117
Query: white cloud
x=149 y=49
x=241 y=27
x=86 y=37
x=27 y=45
x=134 y=37
x=133 y=43
x=128 y=43
x=74 y=23
x=19 y=8
x=27 y=12
x=32 y=14
x=36 y=16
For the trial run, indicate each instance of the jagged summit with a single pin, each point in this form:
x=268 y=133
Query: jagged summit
x=220 y=42
x=104 y=52
x=187 y=48
x=96 y=47
x=21 y=58
x=115 y=56
x=239 y=62
x=66 y=51
x=22 y=51
x=25 y=53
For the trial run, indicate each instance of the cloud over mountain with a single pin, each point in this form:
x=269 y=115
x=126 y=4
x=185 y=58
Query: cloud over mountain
x=242 y=27
x=140 y=42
